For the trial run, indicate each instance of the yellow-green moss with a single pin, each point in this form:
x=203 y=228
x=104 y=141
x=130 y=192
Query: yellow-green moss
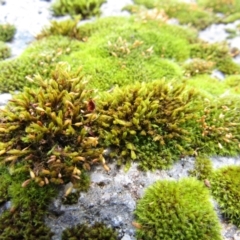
x=7 y=32
x=40 y=57
x=233 y=82
x=203 y=168
x=151 y=123
x=186 y=13
x=208 y=85
x=221 y=6
x=177 y=210
x=25 y=218
x=225 y=189
x=73 y=7
x=5 y=51
x=46 y=128
x=66 y=28
x=218 y=53
x=198 y=66
x=98 y=231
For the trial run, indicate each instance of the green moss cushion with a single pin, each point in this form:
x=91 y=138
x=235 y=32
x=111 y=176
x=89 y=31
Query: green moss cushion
x=177 y=210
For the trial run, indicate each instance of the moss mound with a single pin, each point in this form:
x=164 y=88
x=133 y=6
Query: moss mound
x=98 y=231
x=25 y=218
x=187 y=13
x=203 y=168
x=73 y=7
x=176 y=210
x=7 y=32
x=40 y=57
x=48 y=129
x=149 y=122
x=5 y=51
x=225 y=189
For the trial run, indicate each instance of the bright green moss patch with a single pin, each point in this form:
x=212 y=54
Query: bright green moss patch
x=203 y=168
x=225 y=188
x=186 y=13
x=198 y=66
x=74 y=7
x=218 y=53
x=233 y=82
x=39 y=58
x=222 y=6
x=5 y=51
x=7 y=32
x=177 y=210
x=5 y=183
x=66 y=28
x=130 y=51
x=98 y=231
x=207 y=85
x=231 y=18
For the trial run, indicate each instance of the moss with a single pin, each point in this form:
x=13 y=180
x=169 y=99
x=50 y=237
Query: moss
x=225 y=189
x=98 y=231
x=219 y=124
x=218 y=53
x=24 y=224
x=40 y=57
x=47 y=129
x=231 y=18
x=233 y=82
x=228 y=66
x=5 y=51
x=176 y=210
x=207 y=85
x=7 y=32
x=203 y=168
x=155 y=47
x=198 y=66
x=186 y=13
x=148 y=122
x=66 y=28
x=25 y=218
x=85 y=8
x=5 y=183
x=222 y=6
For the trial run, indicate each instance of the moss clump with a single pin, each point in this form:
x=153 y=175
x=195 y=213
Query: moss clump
x=219 y=124
x=5 y=51
x=151 y=53
x=198 y=66
x=218 y=53
x=48 y=129
x=207 y=85
x=74 y=7
x=222 y=6
x=176 y=210
x=149 y=122
x=25 y=218
x=7 y=32
x=98 y=231
x=186 y=13
x=5 y=183
x=233 y=82
x=66 y=28
x=225 y=189
x=40 y=57
x=203 y=168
